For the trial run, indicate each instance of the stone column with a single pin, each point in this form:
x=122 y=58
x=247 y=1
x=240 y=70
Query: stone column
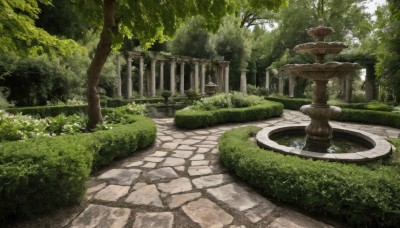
x=128 y=77
x=172 y=73
x=243 y=81
x=370 y=87
x=162 y=75
x=226 y=80
x=196 y=75
x=119 y=90
x=348 y=89
x=203 y=79
x=141 y=72
x=182 y=81
x=267 y=79
x=148 y=81
x=218 y=80
x=292 y=84
x=343 y=89
x=280 y=85
x=153 y=78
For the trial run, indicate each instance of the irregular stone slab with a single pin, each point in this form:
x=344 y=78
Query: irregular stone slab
x=186 y=147
x=139 y=185
x=197 y=157
x=154 y=159
x=102 y=216
x=258 y=212
x=154 y=220
x=165 y=138
x=212 y=138
x=235 y=196
x=169 y=145
x=179 y=136
x=120 y=176
x=133 y=164
x=212 y=180
x=180 y=168
x=189 y=142
x=112 y=193
x=199 y=137
x=182 y=153
x=197 y=163
x=163 y=173
x=149 y=165
x=176 y=186
x=179 y=199
x=147 y=195
x=174 y=162
x=90 y=191
x=159 y=154
x=207 y=214
x=215 y=151
x=235 y=226
x=291 y=219
x=202 y=150
x=199 y=170
x=210 y=142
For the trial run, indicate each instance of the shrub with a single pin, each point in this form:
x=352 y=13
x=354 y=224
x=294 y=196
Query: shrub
x=42 y=174
x=226 y=100
x=359 y=195
x=290 y=103
x=391 y=119
x=119 y=114
x=45 y=111
x=192 y=119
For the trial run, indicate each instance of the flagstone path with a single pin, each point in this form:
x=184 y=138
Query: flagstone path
x=180 y=183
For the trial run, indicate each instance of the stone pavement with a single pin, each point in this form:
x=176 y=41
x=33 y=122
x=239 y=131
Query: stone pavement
x=180 y=183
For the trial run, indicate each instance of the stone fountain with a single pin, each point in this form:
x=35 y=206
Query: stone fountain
x=319 y=133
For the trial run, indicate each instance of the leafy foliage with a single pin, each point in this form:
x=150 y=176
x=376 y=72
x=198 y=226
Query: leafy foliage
x=226 y=100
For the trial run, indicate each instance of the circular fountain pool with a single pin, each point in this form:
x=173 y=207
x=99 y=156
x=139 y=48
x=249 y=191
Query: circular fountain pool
x=347 y=145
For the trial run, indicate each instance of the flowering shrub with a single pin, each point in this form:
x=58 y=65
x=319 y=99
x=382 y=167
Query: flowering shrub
x=21 y=127
x=227 y=100
x=118 y=115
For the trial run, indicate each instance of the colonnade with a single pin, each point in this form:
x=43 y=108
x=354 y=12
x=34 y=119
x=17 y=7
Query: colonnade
x=197 y=76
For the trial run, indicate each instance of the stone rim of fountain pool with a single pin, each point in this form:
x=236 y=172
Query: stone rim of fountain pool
x=380 y=148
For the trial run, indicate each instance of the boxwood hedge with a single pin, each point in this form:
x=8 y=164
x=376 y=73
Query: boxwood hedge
x=359 y=195
x=41 y=174
x=191 y=119
x=391 y=119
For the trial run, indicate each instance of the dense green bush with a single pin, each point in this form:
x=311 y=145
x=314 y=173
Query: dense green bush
x=360 y=195
x=39 y=175
x=192 y=119
x=117 y=102
x=45 y=111
x=391 y=119
x=290 y=103
x=296 y=103
x=226 y=100
x=42 y=174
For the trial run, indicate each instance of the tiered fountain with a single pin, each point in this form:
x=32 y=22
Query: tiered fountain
x=320 y=141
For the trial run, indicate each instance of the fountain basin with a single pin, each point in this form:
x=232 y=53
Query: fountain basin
x=372 y=147
x=320 y=48
x=322 y=71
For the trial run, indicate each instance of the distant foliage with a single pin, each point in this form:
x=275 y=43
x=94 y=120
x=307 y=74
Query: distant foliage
x=119 y=114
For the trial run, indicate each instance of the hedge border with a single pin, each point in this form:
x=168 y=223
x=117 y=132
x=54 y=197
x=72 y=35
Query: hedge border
x=360 y=196
x=190 y=119
x=42 y=174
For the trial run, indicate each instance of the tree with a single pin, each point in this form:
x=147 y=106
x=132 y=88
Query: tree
x=20 y=36
x=388 y=48
x=150 y=20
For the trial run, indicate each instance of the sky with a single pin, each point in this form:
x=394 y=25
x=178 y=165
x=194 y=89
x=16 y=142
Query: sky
x=371 y=6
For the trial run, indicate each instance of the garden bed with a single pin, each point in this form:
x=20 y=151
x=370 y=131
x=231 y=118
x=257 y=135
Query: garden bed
x=41 y=174
x=366 y=195
x=193 y=119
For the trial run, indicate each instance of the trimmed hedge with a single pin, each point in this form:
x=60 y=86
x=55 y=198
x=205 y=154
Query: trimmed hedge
x=190 y=119
x=290 y=103
x=391 y=119
x=43 y=174
x=296 y=103
x=45 y=111
x=358 y=195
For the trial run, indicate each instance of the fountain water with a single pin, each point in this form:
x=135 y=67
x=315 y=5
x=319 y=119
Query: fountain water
x=319 y=133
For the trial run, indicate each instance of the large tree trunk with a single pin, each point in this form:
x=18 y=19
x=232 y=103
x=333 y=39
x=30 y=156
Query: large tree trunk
x=101 y=54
